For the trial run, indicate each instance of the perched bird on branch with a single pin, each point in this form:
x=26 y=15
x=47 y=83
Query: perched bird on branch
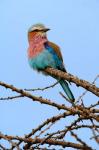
x=42 y=54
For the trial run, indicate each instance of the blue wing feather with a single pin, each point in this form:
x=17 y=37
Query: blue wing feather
x=58 y=61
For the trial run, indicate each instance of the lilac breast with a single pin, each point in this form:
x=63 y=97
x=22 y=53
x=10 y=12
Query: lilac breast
x=36 y=45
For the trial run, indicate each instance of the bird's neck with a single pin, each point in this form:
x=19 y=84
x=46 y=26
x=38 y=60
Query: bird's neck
x=36 y=44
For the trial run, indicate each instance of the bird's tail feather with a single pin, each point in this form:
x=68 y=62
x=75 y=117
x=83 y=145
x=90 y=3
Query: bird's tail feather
x=67 y=90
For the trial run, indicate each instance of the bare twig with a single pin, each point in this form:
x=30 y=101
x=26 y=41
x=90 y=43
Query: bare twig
x=42 y=89
x=80 y=141
x=84 y=93
x=11 y=97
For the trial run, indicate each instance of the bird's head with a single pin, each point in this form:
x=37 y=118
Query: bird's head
x=38 y=29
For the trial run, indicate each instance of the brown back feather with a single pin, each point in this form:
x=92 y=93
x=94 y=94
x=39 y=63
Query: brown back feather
x=56 y=49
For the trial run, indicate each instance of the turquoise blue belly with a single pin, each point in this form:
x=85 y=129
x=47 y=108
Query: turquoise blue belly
x=42 y=60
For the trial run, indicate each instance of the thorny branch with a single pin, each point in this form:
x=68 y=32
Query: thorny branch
x=42 y=137
x=48 y=141
x=79 y=82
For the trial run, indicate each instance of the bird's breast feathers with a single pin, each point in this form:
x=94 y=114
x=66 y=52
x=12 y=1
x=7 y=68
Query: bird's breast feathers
x=34 y=50
x=36 y=45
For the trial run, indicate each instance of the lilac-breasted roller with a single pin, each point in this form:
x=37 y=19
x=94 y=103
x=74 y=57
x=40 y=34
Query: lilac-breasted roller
x=43 y=53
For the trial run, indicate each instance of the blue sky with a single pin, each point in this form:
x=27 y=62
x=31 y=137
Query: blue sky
x=74 y=27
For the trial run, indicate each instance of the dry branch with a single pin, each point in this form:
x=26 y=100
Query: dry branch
x=79 y=82
x=82 y=117
x=48 y=141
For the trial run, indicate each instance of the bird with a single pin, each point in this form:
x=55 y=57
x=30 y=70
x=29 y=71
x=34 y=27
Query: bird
x=43 y=53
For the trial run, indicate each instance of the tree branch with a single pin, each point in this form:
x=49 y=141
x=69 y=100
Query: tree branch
x=79 y=82
x=43 y=135
x=48 y=141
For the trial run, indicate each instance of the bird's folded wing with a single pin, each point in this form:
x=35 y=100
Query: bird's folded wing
x=56 y=49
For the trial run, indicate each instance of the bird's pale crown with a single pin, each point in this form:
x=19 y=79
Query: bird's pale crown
x=38 y=27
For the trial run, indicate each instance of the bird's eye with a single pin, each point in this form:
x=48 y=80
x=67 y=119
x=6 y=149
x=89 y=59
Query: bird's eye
x=36 y=30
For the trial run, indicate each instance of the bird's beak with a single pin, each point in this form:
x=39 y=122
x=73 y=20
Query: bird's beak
x=46 y=29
